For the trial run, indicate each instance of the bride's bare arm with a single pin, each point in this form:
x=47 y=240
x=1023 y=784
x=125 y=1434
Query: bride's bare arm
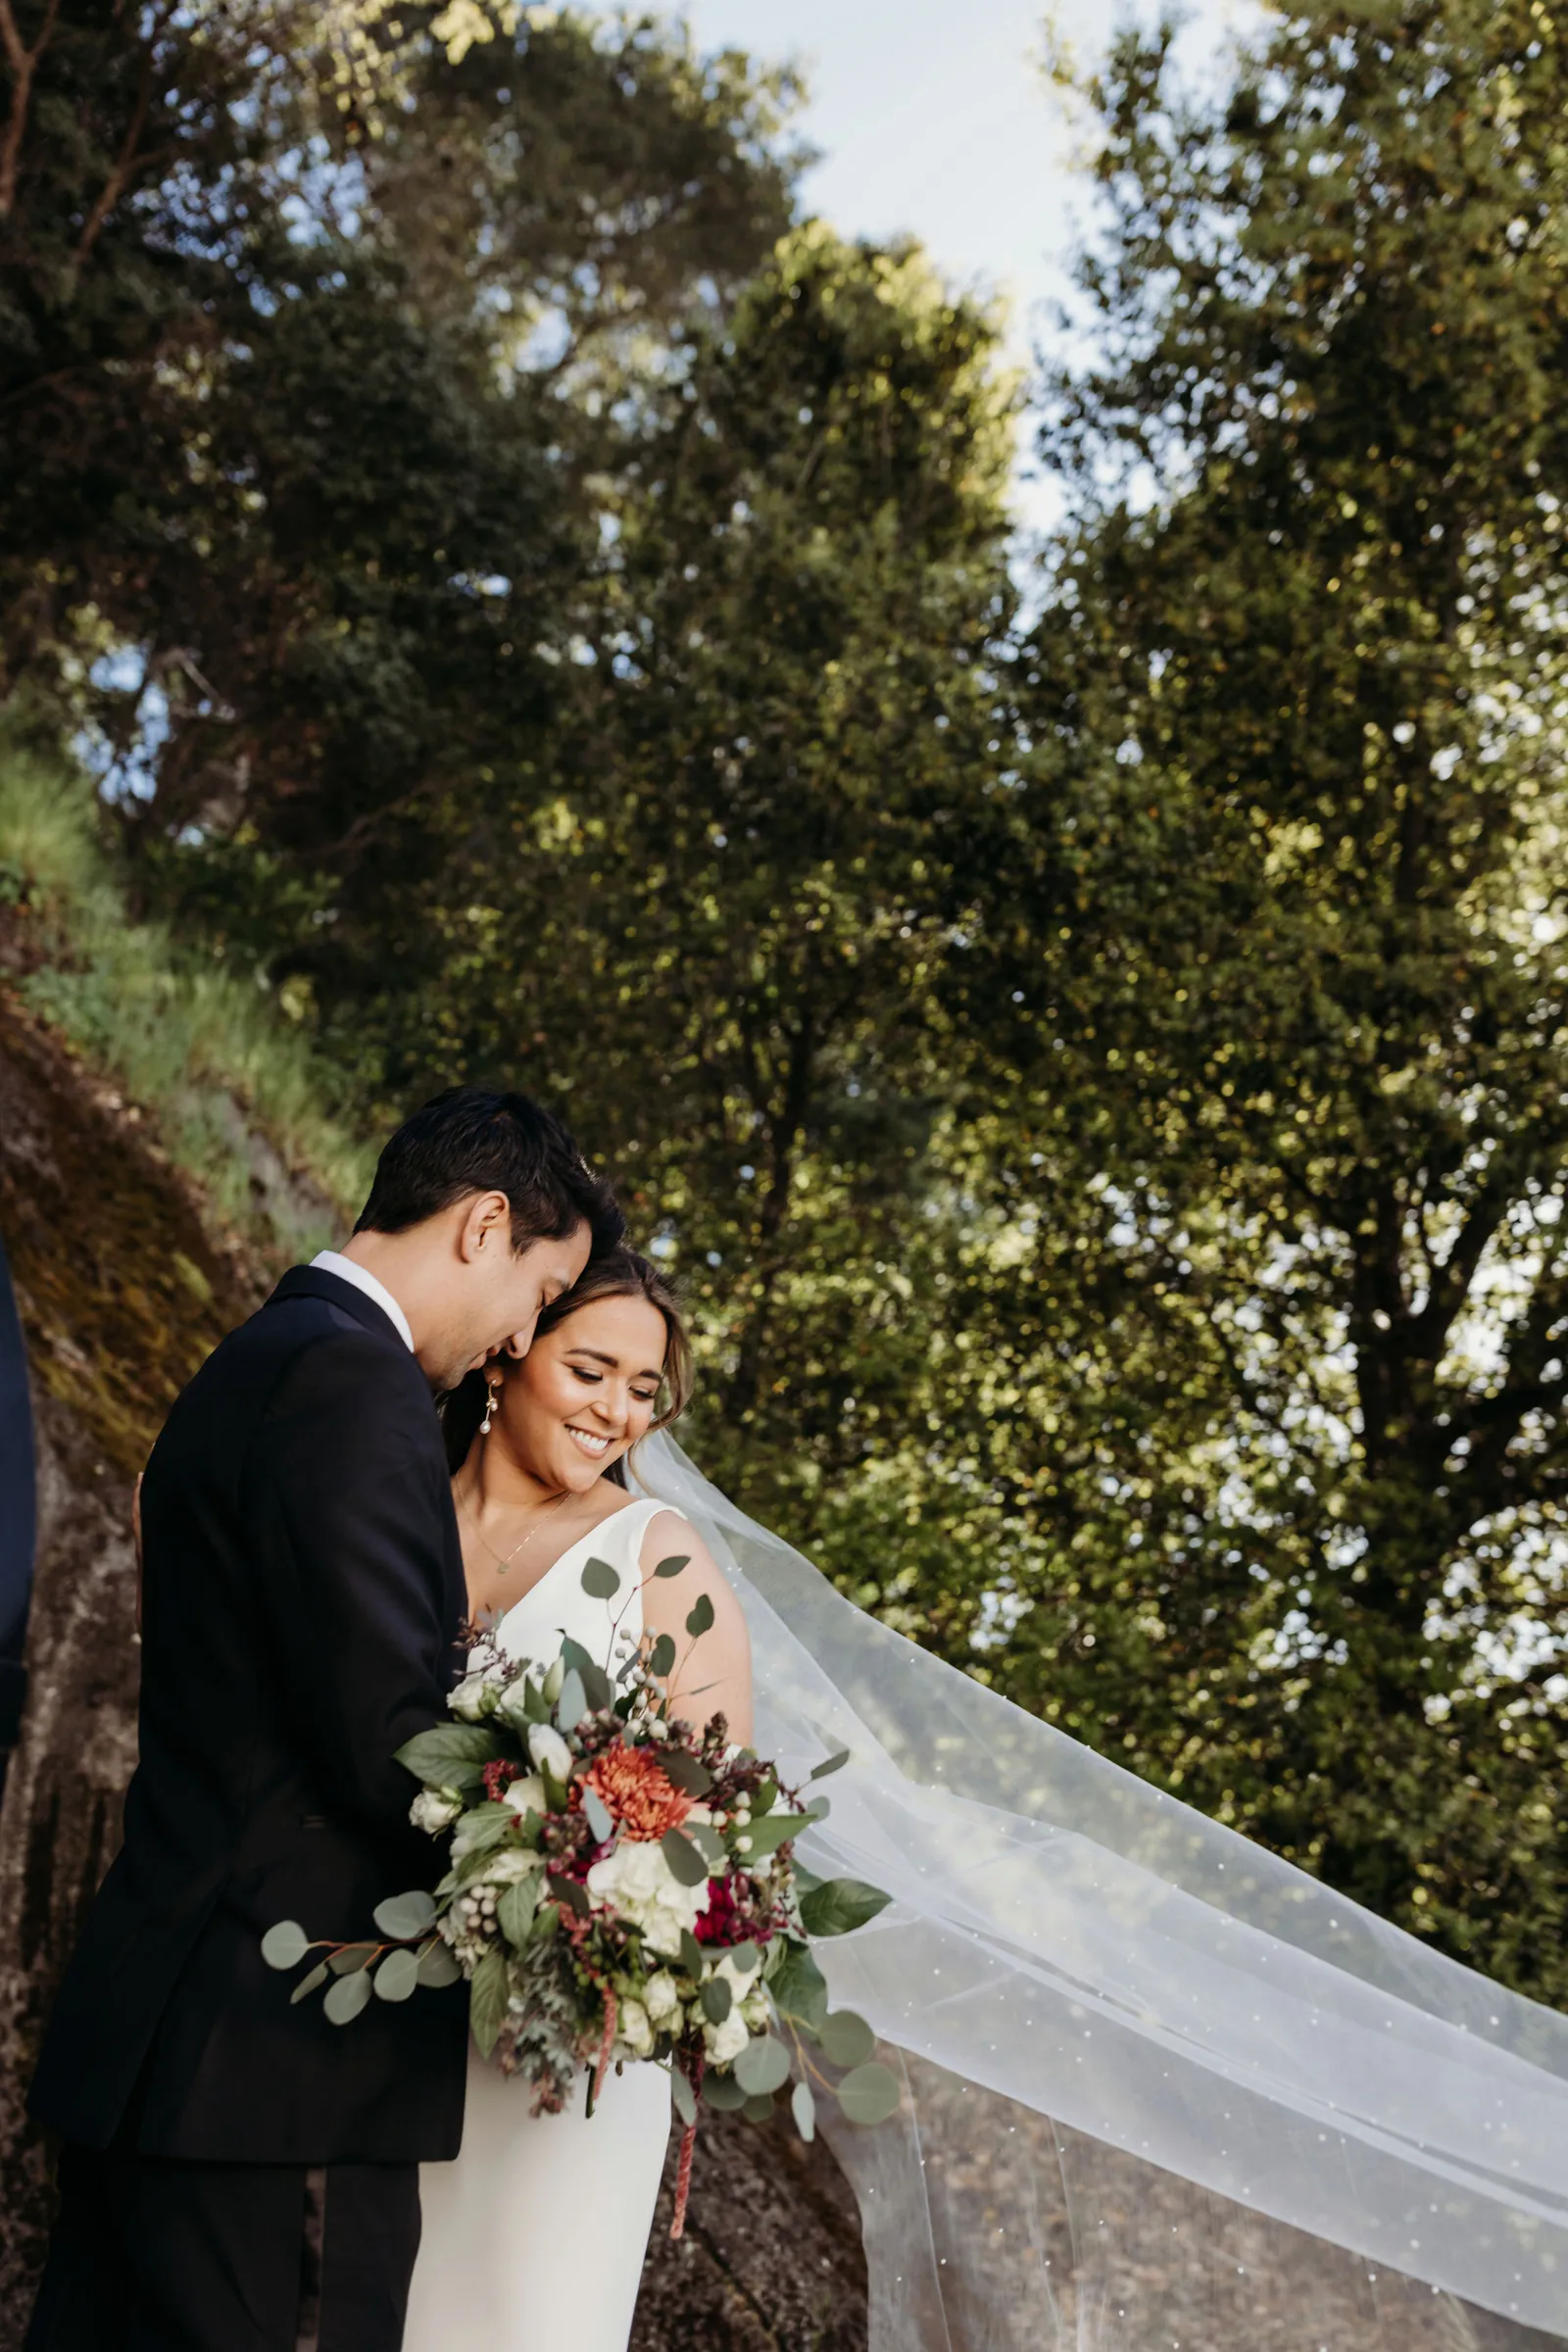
x=713 y=1672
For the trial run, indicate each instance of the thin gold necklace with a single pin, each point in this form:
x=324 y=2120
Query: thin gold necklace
x=542 y=1513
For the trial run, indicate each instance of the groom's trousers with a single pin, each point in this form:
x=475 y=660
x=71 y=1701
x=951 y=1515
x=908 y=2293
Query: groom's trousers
x=153 y=2254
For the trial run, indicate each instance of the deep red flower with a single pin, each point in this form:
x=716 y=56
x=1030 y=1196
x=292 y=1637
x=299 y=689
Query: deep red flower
x=716 y=1923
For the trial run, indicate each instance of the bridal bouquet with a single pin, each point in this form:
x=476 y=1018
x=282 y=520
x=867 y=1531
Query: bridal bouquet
x=620 y=1886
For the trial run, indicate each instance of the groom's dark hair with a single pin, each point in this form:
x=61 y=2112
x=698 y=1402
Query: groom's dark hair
x=472 y=1139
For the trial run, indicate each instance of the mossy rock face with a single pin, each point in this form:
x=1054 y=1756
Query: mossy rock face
x=121 y=1292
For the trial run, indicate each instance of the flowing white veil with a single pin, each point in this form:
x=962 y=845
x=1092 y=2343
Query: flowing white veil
x=1162 y=2090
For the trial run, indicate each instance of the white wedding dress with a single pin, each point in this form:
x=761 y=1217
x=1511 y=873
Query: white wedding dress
x=535 y=2234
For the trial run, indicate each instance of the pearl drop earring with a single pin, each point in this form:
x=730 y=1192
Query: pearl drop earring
x=492 y=1393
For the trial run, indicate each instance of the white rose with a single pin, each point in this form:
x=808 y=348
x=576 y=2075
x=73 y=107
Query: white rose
x=725 y=2042
x=661 y=1995
x=550 y=1751
x=634 y=2028
x=434 y=1810
x=526 y=1795
x=635 y=1881
x=473 y=1698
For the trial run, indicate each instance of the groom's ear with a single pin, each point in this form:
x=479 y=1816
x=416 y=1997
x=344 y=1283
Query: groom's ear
x=516 y=1346
x=485 y=1226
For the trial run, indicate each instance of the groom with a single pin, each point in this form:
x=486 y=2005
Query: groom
x=239 y=2175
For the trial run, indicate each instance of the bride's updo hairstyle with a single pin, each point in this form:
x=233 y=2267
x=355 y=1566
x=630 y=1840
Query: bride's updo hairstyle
x=619 y=1274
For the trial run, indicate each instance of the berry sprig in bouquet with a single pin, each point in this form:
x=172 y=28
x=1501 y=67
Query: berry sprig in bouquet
x=622 y=1885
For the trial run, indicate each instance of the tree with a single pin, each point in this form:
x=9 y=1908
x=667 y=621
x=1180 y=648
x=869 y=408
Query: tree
x=1294 y=972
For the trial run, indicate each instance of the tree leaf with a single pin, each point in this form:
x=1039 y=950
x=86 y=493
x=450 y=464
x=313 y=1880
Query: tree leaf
x=438 y=1963
x=600 y=1580
x=285 y=1944
x=680 y=2091
x=846 y=2039
x=347 y=1996
x=397 y=1975
x=488 y=1995
x=829 y=1764
x=686 y=1864
x=676 y=1561
x=404 y=1916
x=699 y=1616
x=307 y=1984
x=838 y=1906
x=763 y=2065
x=804 y=2109
x=869 y=2093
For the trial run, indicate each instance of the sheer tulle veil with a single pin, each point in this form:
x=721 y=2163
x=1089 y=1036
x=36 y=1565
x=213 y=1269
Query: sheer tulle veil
x=1161 y=2088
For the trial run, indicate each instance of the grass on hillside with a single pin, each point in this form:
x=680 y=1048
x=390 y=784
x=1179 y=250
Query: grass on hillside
x=234 y=1093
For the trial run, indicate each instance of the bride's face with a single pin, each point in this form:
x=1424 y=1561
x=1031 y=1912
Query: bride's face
x=585 y=1392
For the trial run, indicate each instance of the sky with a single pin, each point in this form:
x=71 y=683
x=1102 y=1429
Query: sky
x=933 y=118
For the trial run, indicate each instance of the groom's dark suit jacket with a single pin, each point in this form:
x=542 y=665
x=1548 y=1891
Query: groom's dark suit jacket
x=303 y=1590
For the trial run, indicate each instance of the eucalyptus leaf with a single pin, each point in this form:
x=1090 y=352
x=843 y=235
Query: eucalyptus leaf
x=717 y=1999
x=846 y=2039
x=307 y=1984
x=352 y=1956
x=759 y=2110
x=438 y=1964
x=769 y=1834
x=573 y=1704
x=348 y=1996
x=600 y=1580
x=597 y=1814
x=710 y=1844
x=661 y=1657
x=687 y=1773
x=869 y=2093
x=699 y=1616
x=686 y=1864
x=722 y=2091
x=487 y=2000
x=691 y=1954
x=397 y=1975
x=404 y=1916
x=568 y=1891
x=804 y=2109
x=764 y=1796
x=285 y=1944
x=838 y=1906
x=829 y=1764
x=517 y=1909
x=763 y=2065
x=597 y=1686
x=745 y=1956
x=680 y=2091
x=573 y=1654
x=676 y=1561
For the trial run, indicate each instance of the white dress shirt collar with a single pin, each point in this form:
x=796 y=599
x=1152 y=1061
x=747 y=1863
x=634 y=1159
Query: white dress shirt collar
x=332 y=1262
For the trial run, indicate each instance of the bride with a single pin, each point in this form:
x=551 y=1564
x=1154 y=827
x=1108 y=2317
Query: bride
x=536 y=2233
x=1163 y=2092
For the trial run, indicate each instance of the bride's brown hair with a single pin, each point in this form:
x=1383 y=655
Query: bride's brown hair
x=619 y=1274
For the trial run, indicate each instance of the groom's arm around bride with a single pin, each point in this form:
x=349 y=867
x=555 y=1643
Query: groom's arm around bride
x=239 y=2172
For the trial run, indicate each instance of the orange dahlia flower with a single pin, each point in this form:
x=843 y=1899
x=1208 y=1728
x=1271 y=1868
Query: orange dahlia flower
x=634 y=1789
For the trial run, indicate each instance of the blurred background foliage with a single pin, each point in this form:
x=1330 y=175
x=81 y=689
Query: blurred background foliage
x=533 y=604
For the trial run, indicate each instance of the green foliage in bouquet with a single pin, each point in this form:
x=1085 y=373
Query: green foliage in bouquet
x=622 y=1885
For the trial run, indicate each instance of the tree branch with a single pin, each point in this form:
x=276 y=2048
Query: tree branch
x=120 y=178
x=23 y=63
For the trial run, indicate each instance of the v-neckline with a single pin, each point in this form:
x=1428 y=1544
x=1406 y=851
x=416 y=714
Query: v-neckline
x=499 y=1613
